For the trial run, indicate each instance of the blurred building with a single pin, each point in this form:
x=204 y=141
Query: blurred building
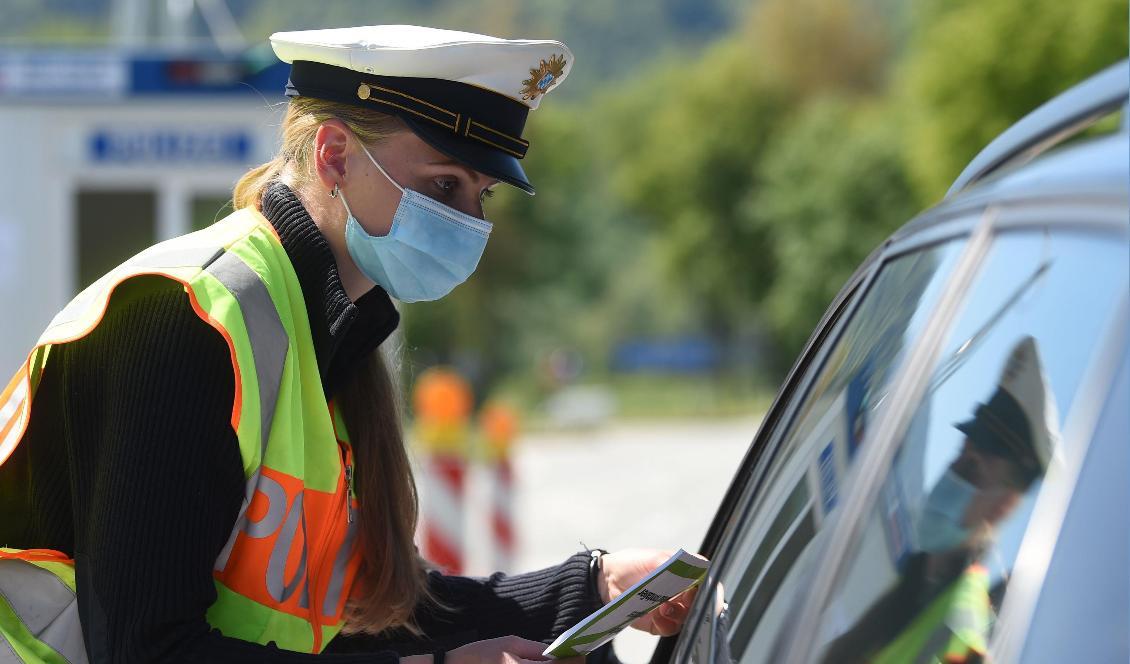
x=108 y=151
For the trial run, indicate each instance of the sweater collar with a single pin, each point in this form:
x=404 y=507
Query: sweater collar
x=344 y=332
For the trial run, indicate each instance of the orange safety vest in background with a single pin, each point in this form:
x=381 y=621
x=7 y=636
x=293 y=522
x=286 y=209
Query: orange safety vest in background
x=286 y=571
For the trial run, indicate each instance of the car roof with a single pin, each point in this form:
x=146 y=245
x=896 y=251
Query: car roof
x=1053 y=122
x=1098 y=167
x=1036 y=160
x=1095 y=171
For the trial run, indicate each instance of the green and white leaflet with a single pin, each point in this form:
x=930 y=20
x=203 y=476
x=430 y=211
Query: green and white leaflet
x=681 y=572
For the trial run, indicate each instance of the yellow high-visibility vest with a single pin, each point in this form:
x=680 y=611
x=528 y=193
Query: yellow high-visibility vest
x=953 y=627
x=288 y=566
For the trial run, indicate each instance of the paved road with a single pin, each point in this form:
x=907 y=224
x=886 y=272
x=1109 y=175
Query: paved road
x=623 y=485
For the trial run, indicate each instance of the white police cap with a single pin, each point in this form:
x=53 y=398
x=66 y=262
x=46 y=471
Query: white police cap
x=467 y=95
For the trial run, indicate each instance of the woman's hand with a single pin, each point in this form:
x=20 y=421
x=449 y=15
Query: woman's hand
x=504 y=650
x=623 y=569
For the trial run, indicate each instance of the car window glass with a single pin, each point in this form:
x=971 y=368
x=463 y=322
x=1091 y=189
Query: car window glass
x=933 y=561
x=775 y=544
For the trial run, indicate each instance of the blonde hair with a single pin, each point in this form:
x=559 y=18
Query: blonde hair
x=392 y=580
x=303 y=117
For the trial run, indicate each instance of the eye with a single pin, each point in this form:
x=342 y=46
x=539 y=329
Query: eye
x=487 y=193
x=445 y=186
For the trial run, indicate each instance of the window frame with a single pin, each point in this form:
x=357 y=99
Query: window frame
x=1085 y=424
x=935 y=228
x=1032 y=607
x=1099 y=215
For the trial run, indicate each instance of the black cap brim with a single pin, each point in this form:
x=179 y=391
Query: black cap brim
x=479 y=128
x=481 y=158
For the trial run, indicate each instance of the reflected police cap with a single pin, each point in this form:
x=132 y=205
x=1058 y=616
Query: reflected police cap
x=1021 y=420
x=467 y=95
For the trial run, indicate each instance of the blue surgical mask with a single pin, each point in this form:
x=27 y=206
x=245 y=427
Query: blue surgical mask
x=430 y=249
x=940 y=525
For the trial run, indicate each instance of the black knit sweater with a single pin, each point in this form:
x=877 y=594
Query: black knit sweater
x=131 y=466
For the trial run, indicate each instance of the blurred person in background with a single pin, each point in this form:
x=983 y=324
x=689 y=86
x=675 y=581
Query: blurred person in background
x=940 y=609
x=214 y=468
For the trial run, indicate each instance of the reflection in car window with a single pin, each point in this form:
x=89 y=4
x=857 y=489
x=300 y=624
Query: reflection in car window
x=776 y=547
x=933 y=563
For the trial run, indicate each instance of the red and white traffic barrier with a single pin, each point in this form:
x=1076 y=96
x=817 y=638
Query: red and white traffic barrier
x=499 y=426
x=502 y=515
x=442 y=404
x=443 y=512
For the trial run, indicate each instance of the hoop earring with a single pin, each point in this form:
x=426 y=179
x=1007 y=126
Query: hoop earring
x=333 y=194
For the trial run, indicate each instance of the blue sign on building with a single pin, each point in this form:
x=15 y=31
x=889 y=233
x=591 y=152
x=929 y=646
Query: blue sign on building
x=170 y=146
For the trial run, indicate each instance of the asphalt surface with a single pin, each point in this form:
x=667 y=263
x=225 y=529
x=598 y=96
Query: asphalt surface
x=619 y=486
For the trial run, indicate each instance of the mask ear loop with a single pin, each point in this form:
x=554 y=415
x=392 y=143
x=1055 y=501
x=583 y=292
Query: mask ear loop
x=379 y=168
x=338 y=193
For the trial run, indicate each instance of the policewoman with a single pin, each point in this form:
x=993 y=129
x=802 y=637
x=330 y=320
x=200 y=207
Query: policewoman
x=202 y=457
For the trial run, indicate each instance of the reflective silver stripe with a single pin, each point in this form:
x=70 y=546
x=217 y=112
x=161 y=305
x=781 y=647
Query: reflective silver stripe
x=162 y=256
x=965 y=618
x=265 y=330
x=157 y=257
x=11 y=418
x=337 y=580
x=276 y=565
x=276 y=509
x=45 y=606
x=240 y=523
x=9 y=408
x=265 y=527
x=269 y=343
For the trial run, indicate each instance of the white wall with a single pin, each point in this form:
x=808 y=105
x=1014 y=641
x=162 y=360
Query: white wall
x=47 y=159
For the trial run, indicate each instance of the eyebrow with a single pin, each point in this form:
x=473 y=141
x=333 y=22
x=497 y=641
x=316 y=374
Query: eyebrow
x=448 y=161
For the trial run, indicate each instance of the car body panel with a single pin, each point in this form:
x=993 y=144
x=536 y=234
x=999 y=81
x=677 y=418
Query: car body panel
x=1083 y=187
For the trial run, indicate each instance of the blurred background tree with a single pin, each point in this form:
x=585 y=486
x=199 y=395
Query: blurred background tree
x=710 y=174
x=826 y=213
x=974 y=68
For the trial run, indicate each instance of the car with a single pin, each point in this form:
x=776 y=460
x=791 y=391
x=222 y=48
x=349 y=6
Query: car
x=943 y=474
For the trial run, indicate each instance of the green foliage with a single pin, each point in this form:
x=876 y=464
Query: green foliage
x=833 y=186
x=709 y=167
x=695 y=164
x=978 y=67
x=685 y=165
x=814 y=47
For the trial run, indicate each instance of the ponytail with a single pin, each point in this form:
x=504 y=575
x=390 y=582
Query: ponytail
x=249 y=190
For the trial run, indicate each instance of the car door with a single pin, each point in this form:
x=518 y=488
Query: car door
x=928 y=563
x=1055 y=285
x=770 y=532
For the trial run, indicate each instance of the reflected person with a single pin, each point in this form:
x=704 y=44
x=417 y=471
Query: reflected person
x=940 y=611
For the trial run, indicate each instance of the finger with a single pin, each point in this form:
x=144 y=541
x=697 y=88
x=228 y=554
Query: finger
x=668 y=619
x=674 y=610
x=664 y=627
x=687 y=596
x=525 y=649
x=655 y=625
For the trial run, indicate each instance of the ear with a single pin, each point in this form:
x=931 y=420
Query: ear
x=329 y=153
